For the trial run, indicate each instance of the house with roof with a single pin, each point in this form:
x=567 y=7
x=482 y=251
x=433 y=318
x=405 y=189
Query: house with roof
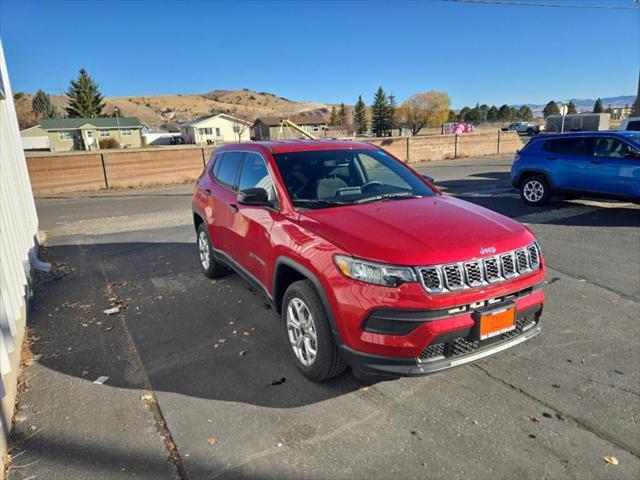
x=65 y=134
x=268 y=128
x=215 y=129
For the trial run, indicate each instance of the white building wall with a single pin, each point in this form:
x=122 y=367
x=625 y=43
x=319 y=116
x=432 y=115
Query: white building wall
x=18 y=229
x=227 y=134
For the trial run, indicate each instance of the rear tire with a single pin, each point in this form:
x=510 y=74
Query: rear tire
x=308 y=333
x=208 y=264
x=535 y=190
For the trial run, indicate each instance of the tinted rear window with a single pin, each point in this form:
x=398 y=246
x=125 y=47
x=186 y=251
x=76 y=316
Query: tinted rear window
x=227 y=172
x=569 y=146
x=635 y=125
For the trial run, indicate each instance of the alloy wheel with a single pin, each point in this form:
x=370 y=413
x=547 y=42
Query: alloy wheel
x=533 y=191
x=301 y=330
x=203 y=250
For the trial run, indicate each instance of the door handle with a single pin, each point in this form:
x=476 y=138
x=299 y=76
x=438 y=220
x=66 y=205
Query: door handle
x=207 y=192
x=597 y=162
x=233 y=207
x=552 y=158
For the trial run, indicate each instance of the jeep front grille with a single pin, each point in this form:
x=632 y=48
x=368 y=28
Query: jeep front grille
x=453 y=277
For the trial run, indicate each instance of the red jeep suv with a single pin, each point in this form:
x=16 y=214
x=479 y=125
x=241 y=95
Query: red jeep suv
x=367 y=262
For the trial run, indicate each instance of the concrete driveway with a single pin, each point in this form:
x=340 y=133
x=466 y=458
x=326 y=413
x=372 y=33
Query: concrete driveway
x=200 y=384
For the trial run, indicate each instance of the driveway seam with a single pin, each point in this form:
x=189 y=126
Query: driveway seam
x=585 y=426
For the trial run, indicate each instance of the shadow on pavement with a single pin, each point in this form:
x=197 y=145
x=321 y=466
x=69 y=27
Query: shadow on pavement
x=196 y=337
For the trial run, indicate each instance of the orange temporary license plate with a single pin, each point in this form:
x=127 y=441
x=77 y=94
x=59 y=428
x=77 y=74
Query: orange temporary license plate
x=497 y=322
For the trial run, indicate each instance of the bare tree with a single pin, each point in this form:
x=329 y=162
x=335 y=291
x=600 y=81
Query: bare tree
x=425 y=109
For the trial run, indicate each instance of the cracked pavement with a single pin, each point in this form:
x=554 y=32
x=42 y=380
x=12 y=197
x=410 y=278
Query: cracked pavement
x=553 y=407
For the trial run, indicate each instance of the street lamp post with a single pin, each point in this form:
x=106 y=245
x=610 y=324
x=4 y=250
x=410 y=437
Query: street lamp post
x=118 y=124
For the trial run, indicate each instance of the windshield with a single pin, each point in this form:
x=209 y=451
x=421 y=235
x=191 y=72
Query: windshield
x=326 y=178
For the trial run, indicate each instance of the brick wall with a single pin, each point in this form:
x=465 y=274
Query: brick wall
x=63 y=173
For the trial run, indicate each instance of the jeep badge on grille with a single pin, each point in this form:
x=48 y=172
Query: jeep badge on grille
x=484 y=251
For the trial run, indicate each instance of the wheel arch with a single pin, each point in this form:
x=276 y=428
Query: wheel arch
x=530 y=173
x=287 y=271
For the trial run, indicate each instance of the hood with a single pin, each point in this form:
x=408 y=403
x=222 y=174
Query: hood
x=420 y=231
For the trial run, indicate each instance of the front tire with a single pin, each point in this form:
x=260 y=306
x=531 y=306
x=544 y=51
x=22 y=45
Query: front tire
x=308 y=333
x=535 y=190
x=208 y=264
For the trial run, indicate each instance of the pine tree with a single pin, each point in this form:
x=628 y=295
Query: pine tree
x=453 y=117
x=360 y=117
x=42 y=106
x=492 y=114
x=333 y=119
x=597 y=107
x=342 y=115
x=551 y=108
x=525 y=114
x=85 y=99
x=504 y=113
x=571 y=108
x=379 y=113
x=390 y=117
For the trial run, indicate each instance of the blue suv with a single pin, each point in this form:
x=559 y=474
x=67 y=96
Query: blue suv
x=589 y=164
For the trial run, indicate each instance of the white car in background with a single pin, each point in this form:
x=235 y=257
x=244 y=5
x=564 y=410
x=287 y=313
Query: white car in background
x=632 y=123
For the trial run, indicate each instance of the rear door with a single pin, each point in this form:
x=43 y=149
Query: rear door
x=617 y=172
x=223 y=200
x=251 y=229
x=568 y=162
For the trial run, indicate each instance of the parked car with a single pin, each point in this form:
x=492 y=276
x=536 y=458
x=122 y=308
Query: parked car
x=367 y=262
x=524 y=128
x=594 y=164
x=632 y=123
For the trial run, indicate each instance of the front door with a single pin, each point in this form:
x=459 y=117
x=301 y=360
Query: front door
x=569 y=162
x=251 y=230
x=617 y=172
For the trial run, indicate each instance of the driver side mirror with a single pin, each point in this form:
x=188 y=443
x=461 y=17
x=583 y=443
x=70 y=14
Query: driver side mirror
x=254 y=196
x=632 y=154
x=428 y=178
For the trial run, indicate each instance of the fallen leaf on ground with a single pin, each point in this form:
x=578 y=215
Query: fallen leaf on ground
x=535 y=419
x=243 y=353
x=147 y=397
x=246 y=334
x=611 y=460
x=212 y=440
x=279 y=444
x=363 y=389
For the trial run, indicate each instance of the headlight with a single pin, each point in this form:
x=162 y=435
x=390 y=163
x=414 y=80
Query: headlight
x=372 y=272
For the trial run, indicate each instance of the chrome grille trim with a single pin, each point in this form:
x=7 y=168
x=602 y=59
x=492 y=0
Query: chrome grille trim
x=473 y=273
x=453 y=277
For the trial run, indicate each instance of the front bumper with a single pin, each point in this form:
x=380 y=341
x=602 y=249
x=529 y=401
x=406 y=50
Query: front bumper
x=448 y=351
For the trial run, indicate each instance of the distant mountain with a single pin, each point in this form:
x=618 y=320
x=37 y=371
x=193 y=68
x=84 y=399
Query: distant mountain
x=586 y=104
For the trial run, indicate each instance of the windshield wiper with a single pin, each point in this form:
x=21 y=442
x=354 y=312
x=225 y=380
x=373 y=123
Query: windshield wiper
x=308 y=202
x=388 y=196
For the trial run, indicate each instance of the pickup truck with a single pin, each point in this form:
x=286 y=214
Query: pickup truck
x=524 y=128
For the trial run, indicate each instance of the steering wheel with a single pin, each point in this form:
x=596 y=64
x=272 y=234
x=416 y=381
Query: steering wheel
x=372 y=183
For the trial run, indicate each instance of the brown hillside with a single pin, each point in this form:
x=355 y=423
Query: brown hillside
x=158 y=109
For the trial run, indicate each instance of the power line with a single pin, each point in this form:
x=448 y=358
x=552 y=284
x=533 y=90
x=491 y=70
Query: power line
x=539 y=4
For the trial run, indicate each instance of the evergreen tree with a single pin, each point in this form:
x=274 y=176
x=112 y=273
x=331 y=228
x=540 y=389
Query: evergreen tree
x=571 y=108
x=484 y=112
x=551 y=108
x=597 y=107
x=492 y=114
x=379 y=113
x=504 y=113
x=333 y=120
x=360 y=117
x=342 y=115
x=473 y=115
x=525 y=114
x=42 y=106
x=392 y=105
x=453 y=117
x=85 y=99
x=462 y=116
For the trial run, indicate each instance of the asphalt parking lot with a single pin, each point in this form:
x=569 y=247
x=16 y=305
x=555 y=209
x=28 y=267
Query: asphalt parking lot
x=200 y=384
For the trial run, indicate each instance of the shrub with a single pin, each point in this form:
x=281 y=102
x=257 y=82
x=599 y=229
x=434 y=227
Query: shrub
x=109 y=143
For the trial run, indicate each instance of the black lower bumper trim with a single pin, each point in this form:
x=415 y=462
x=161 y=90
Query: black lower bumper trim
x=370 y=367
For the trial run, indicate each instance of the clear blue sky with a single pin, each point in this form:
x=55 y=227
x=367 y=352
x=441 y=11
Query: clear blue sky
x=327 y=51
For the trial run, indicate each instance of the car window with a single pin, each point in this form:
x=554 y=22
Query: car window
x=633 y=125
x=256 y=175
x=324 y=178
x=610 y=147
x=227 y=172
x=376 y=172
x=569 y=146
